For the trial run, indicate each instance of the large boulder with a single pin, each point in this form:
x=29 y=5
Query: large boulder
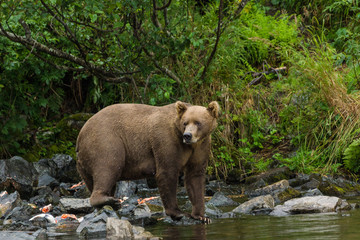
x=17 y=174
x=257 y=206
x=311 y=204
x=65 y=168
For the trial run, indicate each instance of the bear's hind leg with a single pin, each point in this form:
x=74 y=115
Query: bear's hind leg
x=108 y=172
x=87 y=178
x=103 y=192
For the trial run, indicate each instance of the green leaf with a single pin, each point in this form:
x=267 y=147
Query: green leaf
x=93 y=17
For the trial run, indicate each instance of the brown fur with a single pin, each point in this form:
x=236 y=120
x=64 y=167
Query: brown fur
x=133 y=141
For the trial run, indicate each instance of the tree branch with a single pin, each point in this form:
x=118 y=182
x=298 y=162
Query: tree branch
x=218 y=34
x=236 y=14
x=220 y=29
x=151 y=55
x=259 y=75
x=30 y=43
x=71 y=35
x=164 y=6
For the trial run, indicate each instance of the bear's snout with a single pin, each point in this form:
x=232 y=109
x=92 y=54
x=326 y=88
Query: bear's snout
x=187 y=137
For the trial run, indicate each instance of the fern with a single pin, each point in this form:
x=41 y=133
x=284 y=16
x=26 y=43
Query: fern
x=352 y=156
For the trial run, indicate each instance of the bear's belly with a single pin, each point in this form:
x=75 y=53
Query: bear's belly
x=144 y=169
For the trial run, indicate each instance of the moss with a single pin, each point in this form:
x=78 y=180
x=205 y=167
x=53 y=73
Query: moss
x=58 y=139
x=288 y=194
x=155 y=208
x=331 y=189
x=68 y=128
x=271 y=176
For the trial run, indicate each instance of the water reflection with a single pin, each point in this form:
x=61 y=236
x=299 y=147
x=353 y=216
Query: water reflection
x=333 y=226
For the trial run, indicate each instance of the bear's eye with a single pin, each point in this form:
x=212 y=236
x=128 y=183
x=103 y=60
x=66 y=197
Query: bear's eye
x=185 y=123
x=197 y=123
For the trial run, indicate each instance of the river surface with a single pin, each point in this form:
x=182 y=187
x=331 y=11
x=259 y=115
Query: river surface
x=331 y=226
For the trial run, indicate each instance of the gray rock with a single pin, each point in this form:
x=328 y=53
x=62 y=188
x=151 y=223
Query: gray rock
x=311 y=204
x=94 y=230
x=65 y=168
x=94 y=224
x=75 y=205
x=46 y=180
x=118 y=229
x=313 y=192
x=8 y=202
x=122 y=229
x=212 y=211
x=17 y=174
x=312 y=184
x=220 y=200
x=45 y=166
x=271 y=176
x=142 y=211
x=271 y=189
x=44 y=196
x=16 y=235
x=300 y=179
x=258 y=205
x=21 y=213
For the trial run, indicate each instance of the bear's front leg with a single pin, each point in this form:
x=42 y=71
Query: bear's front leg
x=195 y=187
x=167 y=184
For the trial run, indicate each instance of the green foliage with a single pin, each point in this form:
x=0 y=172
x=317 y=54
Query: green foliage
x=306 y=118
x=30 y=91
x=352 y=156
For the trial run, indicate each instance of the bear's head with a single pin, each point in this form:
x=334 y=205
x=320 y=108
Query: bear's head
x=196 y=122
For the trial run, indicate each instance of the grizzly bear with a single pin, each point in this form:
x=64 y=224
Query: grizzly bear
x=134 y=141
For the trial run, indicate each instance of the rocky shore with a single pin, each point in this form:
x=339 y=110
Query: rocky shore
x=47 y=199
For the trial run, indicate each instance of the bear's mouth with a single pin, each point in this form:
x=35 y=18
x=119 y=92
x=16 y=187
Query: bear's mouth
x=187 y=142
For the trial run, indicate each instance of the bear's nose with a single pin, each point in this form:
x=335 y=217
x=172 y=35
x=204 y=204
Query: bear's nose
x=187 y=137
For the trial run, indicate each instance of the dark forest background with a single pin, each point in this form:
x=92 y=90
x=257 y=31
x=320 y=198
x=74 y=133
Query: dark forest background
x=286 y=74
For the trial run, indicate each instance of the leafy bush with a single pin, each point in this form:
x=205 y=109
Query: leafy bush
x=352 y=156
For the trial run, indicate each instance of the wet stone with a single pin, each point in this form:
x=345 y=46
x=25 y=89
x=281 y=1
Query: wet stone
x=271 y=176
x=94 y=224
x=46 y=180
x=8 y=202
x=21 y=213
x=16 y=235
x=313 y=192
x=313 y=204
x=212 y=211
x=65 y=168
x=118 y=229
x=220 y=200
x=75 y=205
x=17 y=174
x=312 y=184
x=271 y=189
x=258 y=205
x=142 y=211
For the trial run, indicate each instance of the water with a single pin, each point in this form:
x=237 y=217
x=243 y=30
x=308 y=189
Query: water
x=334 y=226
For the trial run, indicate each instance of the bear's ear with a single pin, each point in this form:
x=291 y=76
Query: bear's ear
x=180 y=108
x=214 y=109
